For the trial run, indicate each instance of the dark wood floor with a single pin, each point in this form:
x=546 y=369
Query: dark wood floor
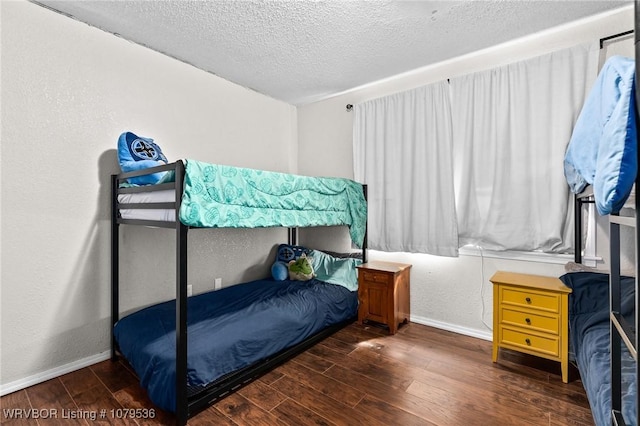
x=420 y=376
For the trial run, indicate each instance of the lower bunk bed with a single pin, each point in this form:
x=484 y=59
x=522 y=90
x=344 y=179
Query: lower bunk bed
x=190 y=352
x=229 y=331
x=589 y=342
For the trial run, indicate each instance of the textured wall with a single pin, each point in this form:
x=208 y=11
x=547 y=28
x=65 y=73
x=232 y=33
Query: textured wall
x=68 y=91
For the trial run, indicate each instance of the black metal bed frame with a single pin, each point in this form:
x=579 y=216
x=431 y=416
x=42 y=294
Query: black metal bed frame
x=621 y=331
x=187 y=406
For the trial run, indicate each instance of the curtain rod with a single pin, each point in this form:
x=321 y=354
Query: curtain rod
x=602 y=40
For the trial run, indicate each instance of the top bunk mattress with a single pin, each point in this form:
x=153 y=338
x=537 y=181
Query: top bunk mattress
x=218 y=196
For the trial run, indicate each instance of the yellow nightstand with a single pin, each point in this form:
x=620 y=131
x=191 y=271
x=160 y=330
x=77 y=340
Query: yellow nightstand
x=531 y=315
x=383 y=293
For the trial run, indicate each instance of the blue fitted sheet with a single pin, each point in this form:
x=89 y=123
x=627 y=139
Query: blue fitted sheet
x=228 y=329
x=589 y=342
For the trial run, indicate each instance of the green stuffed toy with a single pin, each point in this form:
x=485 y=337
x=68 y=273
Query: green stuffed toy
x=301 y=269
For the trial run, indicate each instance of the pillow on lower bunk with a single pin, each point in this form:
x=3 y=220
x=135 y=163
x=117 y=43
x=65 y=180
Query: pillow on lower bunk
x=301 y=269
x=137 y=153
x=280 y=271
x=334 y=270
x=287 y=252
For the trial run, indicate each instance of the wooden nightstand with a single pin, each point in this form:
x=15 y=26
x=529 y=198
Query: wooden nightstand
x=531 y=315
x=383 y=292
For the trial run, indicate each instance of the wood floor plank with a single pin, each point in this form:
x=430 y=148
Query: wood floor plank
x=296 y=414
x=271 y=377
x=100 y=400
x=524 y=390
x=211 y=416
x=393 y=377
x=344 y=393
x=79 y=381
x=113 y=375
x=438 y=412
x=478 y=405
x=262 y=395
x=244 y=412
x=323 y=405
x=315 y=363
x=388 y=413
x=15 y=407
x=52 y=396
x=358 y=335
x=134 y=397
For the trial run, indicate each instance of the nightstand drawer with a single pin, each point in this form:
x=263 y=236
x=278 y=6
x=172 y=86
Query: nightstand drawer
x=544 y=323
x=531 y=299
x=547 y=345
x=375 y=277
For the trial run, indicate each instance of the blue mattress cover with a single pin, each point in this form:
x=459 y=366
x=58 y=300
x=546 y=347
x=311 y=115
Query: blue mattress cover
x=589 y=342
x=228 y=329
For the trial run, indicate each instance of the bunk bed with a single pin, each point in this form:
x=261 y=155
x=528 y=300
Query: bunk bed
x=257 y=325
x=603 y=306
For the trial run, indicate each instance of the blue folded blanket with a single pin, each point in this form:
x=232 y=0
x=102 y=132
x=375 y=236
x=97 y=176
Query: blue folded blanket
x=603 y=146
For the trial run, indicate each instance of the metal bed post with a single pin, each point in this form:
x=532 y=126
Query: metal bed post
x=636 y=40
x=577 y=229
x=637 y=297
x=620 y=330
x=292 y=236
x=615 y=340
x=182 y=403
x=115 y=270
x=366 y=226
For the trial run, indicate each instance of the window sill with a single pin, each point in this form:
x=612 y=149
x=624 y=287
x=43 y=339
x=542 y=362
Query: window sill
x=528 y=256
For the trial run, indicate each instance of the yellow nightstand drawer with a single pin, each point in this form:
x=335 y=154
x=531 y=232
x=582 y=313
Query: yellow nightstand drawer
x=531 y=299
x=547 y=345
x=544 y=323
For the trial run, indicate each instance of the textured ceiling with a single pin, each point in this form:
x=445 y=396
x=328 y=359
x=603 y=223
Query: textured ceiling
x=303 y=51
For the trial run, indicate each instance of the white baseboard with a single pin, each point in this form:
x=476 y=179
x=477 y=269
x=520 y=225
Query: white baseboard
x=20 y=384
x=484 y=335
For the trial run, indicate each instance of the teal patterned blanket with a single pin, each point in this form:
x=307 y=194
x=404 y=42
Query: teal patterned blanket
x=233 y=197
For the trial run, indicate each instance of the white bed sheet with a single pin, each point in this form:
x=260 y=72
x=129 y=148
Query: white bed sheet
x=164 y=215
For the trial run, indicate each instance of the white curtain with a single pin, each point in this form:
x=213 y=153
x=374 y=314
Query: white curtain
x=511 y=128
x=403 y=152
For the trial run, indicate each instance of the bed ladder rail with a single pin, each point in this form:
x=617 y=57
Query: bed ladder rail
x=621 y=331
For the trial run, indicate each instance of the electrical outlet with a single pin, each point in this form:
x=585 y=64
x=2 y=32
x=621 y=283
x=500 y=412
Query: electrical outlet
x=217 y=284
x=189 y=290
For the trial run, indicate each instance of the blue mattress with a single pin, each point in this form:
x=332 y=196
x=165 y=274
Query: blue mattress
x=227 y=330
x=589 y=342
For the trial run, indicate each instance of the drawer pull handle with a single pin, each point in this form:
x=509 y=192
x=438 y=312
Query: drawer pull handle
x=528 y=299
x=527 y=320
x=528 y=341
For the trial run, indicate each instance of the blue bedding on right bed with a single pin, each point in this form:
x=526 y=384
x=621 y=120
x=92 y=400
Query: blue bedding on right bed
x=589 y=342
x=603 y=148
